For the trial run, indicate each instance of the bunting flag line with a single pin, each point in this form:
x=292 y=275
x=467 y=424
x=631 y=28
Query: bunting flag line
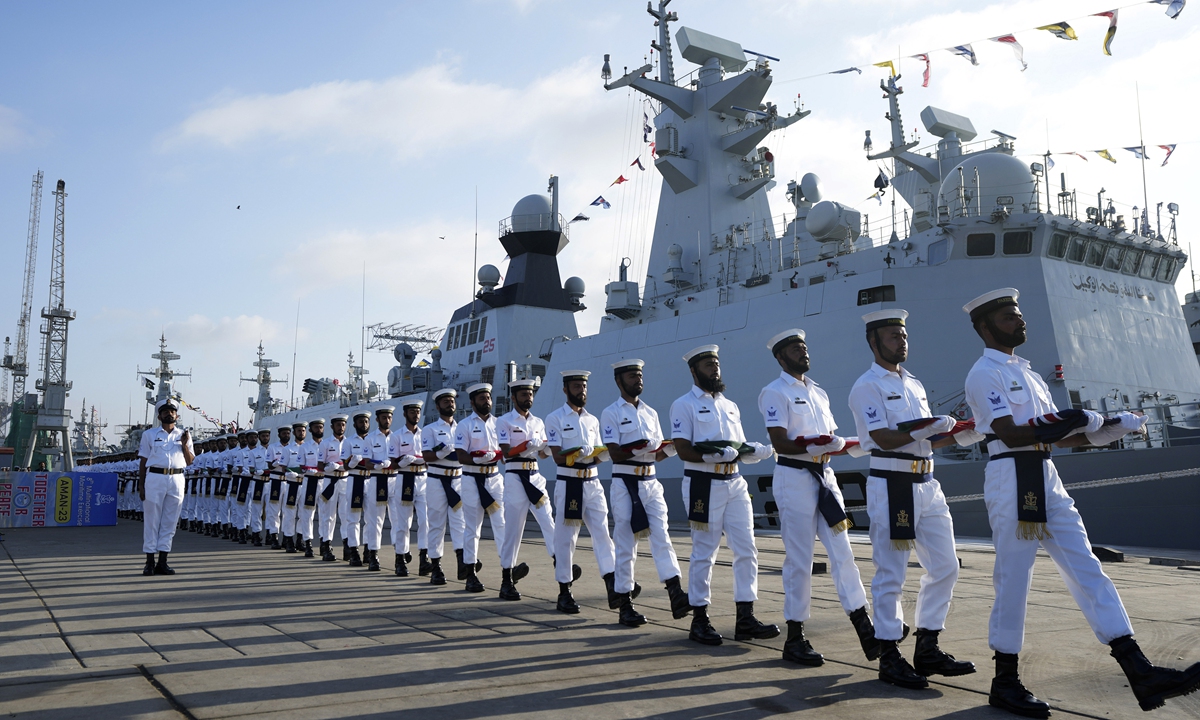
x=889 y=65
x=1106 y=155
x=965 y=51
x=600 y=201
x=843 y=71
x=1170 y=149
x=203 y=414
x=1174 y=7
x=1138 y=151
x=580 y=218
x=1016 y=46
x=1061 y=30
x=925 y=77
x=637 y=162
x=1078 y=155
x=620 y=179
x=878 y=195
x=1112 y=30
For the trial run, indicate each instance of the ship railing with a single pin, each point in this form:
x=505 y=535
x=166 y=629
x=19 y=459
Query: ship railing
x=533 y=223
x=973 y=146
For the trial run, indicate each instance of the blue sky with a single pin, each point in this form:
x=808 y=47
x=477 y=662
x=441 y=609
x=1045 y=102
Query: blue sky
x=358 y=133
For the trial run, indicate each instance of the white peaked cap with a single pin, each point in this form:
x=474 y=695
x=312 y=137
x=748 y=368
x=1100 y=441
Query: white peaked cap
x=701 y=352
x=882 y=318
x=989 y=301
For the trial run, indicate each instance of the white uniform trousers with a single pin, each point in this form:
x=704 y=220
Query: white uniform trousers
x=796 y=492
x=651 y=494
x=288 y=521
x=304 y=518
x=729 y=513
x=1068 y=546
x=441 y=516
x=185 y=512
x=164 y=500
x=516 y=512
x=474 y=512
x=273 y=506
x=935 y=551
x=327 y=510
x=595 y=517
x=350 y=518
x=402 y=515
x=374 y=513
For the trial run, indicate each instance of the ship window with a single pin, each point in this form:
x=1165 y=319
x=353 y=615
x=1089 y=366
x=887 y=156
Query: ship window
x=1095 y=254
x=1149 y=265
x=474 y=332
x=1133 y=260
x=538 y=370
x=939 y=252
x=1165 y=269
x=453 y=338
x=1019 y=242
x=482 y=328
x=471 y=358
x=1058 y=245
x=1112 y=260
x=981 y=244
x=1078 y=247
x=1076 y=401
x=883 y=293
x=487 y=374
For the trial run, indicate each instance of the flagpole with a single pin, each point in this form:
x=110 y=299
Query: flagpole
x=1142 y=143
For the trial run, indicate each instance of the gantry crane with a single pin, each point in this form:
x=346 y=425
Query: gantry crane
x=17 y=363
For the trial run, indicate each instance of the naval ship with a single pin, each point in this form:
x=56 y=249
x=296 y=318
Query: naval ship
x=1107 y=330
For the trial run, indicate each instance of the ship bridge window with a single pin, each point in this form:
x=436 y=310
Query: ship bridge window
x=1058 y=245
x=939 y=252
x=454 y=333
x=1166 y=269
x=1112 y=259
x=1149 y=265
x=474 y=332
x=1077 y=249
x=1018 y=242
x=1133 y=260
x=1095 y=254
x=482 y=328
x=883 y=293
x=981 y=244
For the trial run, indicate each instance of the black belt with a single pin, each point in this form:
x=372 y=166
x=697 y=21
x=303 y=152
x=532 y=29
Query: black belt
x=165 y=471
x=827 y=502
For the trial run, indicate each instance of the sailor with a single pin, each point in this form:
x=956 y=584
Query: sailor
x=905 y=504
x=404 y=452
x=802 y=430
x=165 y=451
x=261 y=461
x=707 y=430
x=241 y=494
x=208 y=468
x=278 y=456
x=522 y=438
x=573 y=435
x=1028 y=506
x=634 y=437
x=356 y=458
x=228 y=487
x=294 y=480
x=251 y=510
x=310 y=458
x=379 y=485
x=443 y=491
x=186 y=514
x=478 y=450
x=332 y=487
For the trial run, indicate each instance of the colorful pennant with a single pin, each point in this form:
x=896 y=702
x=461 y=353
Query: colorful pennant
x=965 y=51
x=1112 y=30
x=889 y=65
x=1061 y=30
x=925 y=77
x=1016 y=46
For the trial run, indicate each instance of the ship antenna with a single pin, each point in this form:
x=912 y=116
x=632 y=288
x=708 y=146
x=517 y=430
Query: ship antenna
x=295 y=346
x=475 y=260
x=1142 y=144
x=662 y=17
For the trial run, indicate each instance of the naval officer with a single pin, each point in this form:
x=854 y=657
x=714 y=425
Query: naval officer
x=443 y=492
x=635 y=442
x=803 y=433
x=332 y=487
x=478 y=451
x=1028 y=506
x=905 y=503
x=716 y=496
x=165 y=451
x=404 y=452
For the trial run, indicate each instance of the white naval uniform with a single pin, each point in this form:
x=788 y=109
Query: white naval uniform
x=622 y=423
x=330 y=453
x=696 y=417
x=205 y=496
x=404 y=446
x=276 y=455
x=375 y=512
x=352 y=518
x=471 y=435
x=292 y=459
x=881 y=399
x=228 y=459
x=512 y=429
x=310 y=455
x=437 y=509
x=164 y=493
x=258 y=465
x=567 y=429
x=802 y=409
x=237 y=511
x=188 y=509
x=1001 y=385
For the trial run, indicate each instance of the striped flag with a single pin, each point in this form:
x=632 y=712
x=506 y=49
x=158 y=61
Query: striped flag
x=1106 y=155
x=1170 y=149
x=965 y=51
x=925 y=77
x=1112 y=30
x=1061 y=30
x=1016 y=46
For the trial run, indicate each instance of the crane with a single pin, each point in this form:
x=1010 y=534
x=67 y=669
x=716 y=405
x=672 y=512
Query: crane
x=5 y=406
x=17 y=363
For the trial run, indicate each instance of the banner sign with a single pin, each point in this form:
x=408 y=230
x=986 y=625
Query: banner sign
x=57 y=499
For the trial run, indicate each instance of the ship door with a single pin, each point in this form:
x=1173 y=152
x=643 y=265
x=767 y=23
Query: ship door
x=816 y=295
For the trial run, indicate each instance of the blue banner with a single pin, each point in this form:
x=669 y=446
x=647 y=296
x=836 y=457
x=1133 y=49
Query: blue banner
x=57 y=499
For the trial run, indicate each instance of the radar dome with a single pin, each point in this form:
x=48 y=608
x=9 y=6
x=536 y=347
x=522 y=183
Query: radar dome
x=810 y=187
x=574 y=286
x=1003 y=180
x=833 y=221
x=489 y=277
x=531 y=212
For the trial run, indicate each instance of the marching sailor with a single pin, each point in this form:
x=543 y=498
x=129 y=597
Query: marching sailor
x=278 y=456
x=573 y=435
x=241 y=498
x=635 y=442
x=225 y=504
x=443 y=491
x=478 y=451
x=707 y=430
x=379 y=485
x=1028 y=506
x=801 y=426
x=261 y=462
x=356 y=458
x=522 y=437
x=404 y=452
x=310 y=460
x=291 y=503
x=332 y=486
x=207 y=462
x=165 y=451
x=905 y=504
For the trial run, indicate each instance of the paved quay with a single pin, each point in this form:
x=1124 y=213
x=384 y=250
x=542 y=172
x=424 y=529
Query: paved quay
x=249 y=632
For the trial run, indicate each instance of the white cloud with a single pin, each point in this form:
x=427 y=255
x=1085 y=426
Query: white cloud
x=201 y=331
x=14 y=131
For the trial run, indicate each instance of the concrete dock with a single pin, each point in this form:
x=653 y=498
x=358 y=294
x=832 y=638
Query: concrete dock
x=249 y=632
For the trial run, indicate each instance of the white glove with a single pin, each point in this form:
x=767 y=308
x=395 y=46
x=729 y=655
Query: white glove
x=670 y=450
x=943 y=424
x=603 y=456
x=1095 y=421
x=1108 y=434
x=405 y=460
x=968 y=437
x=726 y=455
x=291 y=476
x=535 y=444
x=761 y=452
x=354 y=461
x=830 y=447
x=445 y=452
x=1131 y=422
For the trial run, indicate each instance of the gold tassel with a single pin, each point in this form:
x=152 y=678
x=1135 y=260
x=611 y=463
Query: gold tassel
x=406 y=503
x=904 y=545
x=842 y=527
x=492 y=508
x=573 y=523
x=457 y=506
x=1032 y=531
x=699 y=526
x=642 y=534
x=541 y=501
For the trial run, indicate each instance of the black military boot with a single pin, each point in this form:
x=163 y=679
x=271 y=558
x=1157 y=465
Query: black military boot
x=797 y=649
x=436 y=576
x=519 y=572
x=566 y=603
x=508 y=588
x=866 y=632
x=345 y=549
x=235 y=534
x=299 y=541
x=289 y=544
x=749 y=628
x=327 y=552
x=614 y=598
x=702 y=630
x=373 y=560
x=258 y=539
x=149 y=569
x=355 y=560
x=894 y=669
x=274 y=539
x=462 y=568
x=473 y=584
x=1152 y=685
x=629 y=616
x=308 y=551
x=226 y=531
x=929 y=659
x=423 y=564
x=162 y=568
x=680 y=605
x=1009 y=694
x=401 y=566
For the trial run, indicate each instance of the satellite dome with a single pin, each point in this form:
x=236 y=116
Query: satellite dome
x=532 y=212
x=574 y=286
x=1003 y=180
x=489 y=277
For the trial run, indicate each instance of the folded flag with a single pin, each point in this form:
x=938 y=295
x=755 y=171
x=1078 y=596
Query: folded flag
x=707 y=447
x=853 y=448
x=515 y=450
x=1052 y=427
x=959 y=426
x=574 y=455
